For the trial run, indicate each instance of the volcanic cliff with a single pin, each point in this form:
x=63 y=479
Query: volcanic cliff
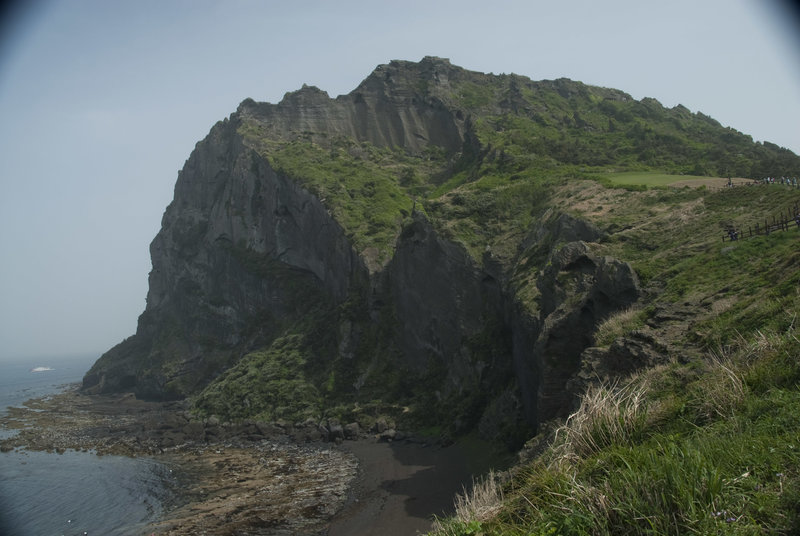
x=400 y=248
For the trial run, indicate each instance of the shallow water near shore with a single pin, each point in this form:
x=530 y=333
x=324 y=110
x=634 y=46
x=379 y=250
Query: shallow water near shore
x=73 y=493
x=23 y=379
x=79 y=493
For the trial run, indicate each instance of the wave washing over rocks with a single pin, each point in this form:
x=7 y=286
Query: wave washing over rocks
x=254 y=478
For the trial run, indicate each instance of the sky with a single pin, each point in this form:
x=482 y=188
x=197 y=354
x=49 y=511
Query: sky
x=102 y=102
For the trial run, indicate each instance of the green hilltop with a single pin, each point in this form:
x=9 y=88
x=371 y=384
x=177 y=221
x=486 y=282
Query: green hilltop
x=521 y=136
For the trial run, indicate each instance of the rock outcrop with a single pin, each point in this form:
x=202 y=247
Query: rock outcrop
x=386 y=109
x=246 y=252
x=579 y=290
x=237 y=245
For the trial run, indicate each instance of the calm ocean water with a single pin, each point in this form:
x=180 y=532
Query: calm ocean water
x=74 y=493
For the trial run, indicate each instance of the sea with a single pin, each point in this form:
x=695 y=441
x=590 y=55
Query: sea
x=74 y=493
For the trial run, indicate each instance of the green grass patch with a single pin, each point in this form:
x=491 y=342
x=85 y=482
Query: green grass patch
x=618 y=324
x=369 y=190
x=267 y=385
x=365 y=198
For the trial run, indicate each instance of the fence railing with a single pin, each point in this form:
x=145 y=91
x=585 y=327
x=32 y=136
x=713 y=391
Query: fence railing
x=780 y=222
x=752 y=182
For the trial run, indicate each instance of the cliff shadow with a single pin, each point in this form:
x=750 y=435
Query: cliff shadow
x=402 y=486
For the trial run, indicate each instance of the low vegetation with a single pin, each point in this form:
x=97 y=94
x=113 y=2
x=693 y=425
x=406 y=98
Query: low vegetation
x=619 y=324
x=707 y=445
x=267 y=385
x=710 y=447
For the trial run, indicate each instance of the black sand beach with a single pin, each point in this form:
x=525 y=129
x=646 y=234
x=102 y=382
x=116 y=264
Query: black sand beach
x=400 y=488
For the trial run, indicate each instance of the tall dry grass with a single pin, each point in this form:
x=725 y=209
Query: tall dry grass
x=608 y=415
x=724 y=387
x=477 y=505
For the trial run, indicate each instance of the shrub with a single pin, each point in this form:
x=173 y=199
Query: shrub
x=268 y=385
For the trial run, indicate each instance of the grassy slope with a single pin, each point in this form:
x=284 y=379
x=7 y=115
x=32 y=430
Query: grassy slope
x=527 y=136
x=706 y=446
x=553 y=124
x=710 y=448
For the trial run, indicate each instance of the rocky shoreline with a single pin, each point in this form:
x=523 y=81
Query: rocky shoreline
x=254 y=477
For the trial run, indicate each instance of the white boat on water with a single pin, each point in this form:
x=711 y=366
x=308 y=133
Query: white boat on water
x=41 y=369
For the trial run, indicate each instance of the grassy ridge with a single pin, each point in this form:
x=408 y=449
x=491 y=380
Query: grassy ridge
x=709 y=444
x=708 y=449
x=561 y=122
x=522 y=136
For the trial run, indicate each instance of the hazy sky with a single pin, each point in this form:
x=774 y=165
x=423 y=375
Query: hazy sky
x=102 y=102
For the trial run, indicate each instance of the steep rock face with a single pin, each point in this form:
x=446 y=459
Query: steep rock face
x=236 y=245
x=440 y=294
x=385 y=109
x=245 y=252
x=446 y=303
x=579 y=290
x=452 y=325
x=228 y=194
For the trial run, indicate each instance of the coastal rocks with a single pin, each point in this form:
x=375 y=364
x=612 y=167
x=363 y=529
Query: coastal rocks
x=121 y=424
x=282 y=488
x=246 y=485
x=233 y=478
x=332 y=431
x=352 y=431
x=388 y=435
x=381 y=425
